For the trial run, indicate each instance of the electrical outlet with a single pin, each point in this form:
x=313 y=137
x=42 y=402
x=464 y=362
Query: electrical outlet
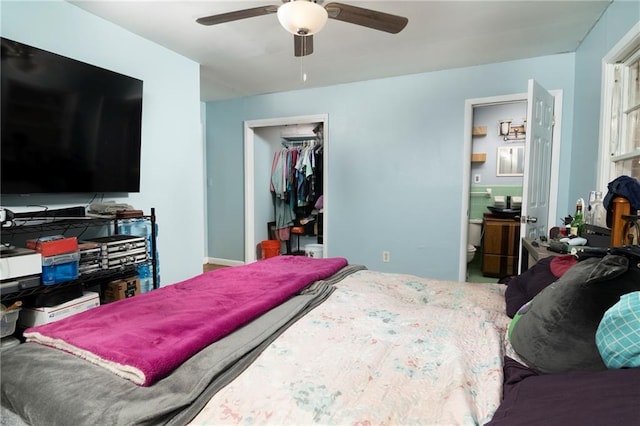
x=477 y=178
x=386 y=256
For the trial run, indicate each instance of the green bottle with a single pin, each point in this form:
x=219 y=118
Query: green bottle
x=577 y=224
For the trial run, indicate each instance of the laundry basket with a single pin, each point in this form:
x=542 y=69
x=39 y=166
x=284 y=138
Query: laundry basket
x=313 y=250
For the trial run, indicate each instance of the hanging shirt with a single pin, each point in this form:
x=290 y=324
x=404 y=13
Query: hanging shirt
x=284 y=214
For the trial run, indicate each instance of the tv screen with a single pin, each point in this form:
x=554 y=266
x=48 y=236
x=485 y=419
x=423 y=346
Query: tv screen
x=67 y=126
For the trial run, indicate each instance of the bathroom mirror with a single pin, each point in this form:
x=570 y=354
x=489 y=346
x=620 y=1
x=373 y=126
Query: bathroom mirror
x=510 y=160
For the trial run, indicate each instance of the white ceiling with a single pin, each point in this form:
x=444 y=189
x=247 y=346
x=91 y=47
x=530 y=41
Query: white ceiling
x=255 y=55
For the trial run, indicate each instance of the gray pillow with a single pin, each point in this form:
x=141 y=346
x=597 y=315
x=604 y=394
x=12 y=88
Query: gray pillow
x=555 y=331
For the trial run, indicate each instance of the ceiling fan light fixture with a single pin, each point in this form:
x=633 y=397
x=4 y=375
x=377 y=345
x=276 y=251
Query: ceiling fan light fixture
x=302 y=17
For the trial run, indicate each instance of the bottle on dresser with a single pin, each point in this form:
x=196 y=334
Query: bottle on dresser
x=596 y=213
x=577 y=224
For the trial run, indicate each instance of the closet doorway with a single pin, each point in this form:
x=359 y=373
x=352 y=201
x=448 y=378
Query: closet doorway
x=259 y=139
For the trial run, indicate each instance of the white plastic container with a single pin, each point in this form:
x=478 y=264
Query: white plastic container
x=313 y=250
x=8 y=322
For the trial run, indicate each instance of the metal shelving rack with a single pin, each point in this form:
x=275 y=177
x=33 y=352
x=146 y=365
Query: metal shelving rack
x=88 y=280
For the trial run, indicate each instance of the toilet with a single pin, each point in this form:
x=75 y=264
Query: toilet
x=471 y=252
x=474 y=238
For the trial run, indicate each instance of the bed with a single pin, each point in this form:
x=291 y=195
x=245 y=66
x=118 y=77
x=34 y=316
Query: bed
x=351 y=346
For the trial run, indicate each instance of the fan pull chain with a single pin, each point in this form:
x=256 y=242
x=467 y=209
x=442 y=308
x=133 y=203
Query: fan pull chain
x=303 y=75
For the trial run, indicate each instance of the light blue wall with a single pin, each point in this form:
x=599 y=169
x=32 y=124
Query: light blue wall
x=172 y=148
x=395 y=160
x=620 y=17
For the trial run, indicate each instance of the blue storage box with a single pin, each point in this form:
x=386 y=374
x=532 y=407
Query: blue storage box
x=60 y=268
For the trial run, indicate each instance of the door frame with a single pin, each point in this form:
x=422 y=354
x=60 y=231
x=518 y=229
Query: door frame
x=470 y=104
x=250 y=127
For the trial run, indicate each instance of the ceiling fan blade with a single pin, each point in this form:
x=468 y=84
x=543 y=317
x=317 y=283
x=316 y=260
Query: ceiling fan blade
x=238 y=14
x=302 y=45
x=366 y=17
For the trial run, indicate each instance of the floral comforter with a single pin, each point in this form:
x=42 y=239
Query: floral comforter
x=383 y=349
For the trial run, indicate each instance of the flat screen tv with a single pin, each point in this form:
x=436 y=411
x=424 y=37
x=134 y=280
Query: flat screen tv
x=67 y=126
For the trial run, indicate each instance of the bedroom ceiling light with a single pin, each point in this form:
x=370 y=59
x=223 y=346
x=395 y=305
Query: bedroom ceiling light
x=302 y=17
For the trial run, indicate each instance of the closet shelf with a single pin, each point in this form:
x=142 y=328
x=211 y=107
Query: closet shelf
x=300 y=138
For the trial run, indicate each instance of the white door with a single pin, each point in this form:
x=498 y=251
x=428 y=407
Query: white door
x=537 y=176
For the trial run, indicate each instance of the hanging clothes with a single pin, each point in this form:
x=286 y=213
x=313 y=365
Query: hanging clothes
x=306 y=174
x=284 y=215
x=294 y=182
x=315 y=180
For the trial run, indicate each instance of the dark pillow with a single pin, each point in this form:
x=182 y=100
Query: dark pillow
x=524 y=287
x=610 y=397
x=555 y=331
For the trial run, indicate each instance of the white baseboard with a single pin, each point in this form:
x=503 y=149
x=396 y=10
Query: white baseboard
x=225 y=262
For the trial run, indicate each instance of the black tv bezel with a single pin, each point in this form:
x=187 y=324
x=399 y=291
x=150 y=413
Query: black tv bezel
x=130 y=184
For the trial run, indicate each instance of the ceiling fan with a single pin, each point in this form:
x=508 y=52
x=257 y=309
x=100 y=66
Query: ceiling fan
x=303 y=18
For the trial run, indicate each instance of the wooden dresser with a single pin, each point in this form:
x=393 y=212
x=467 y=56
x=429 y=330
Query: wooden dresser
x=500 y=246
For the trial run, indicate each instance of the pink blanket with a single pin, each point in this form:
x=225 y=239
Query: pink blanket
x=145 y=337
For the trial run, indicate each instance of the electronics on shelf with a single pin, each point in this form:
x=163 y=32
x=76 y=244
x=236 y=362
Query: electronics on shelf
x=121 y=250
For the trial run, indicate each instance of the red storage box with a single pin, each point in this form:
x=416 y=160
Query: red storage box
x=54 y=245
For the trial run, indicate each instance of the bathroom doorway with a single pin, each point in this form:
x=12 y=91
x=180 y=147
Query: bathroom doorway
x=497 y=160
x=477 y=196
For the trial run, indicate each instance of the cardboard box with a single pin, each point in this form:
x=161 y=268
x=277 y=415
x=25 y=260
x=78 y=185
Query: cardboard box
x=30 y=317
x=51 y=246
x=121 y=289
